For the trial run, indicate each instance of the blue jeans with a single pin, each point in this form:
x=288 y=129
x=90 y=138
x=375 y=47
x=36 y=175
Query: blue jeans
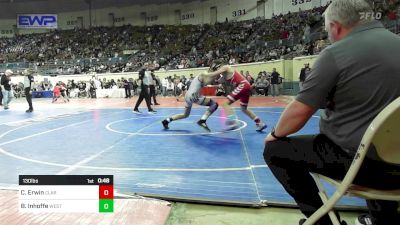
x=7 y=96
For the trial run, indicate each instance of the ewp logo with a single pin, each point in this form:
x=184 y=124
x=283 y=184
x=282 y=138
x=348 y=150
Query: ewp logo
x=37 y=21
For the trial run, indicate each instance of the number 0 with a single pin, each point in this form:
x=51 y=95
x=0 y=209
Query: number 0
x=106 y=206
x=105 y=192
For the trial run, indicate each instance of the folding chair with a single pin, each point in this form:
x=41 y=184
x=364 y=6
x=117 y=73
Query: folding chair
x=384 y=133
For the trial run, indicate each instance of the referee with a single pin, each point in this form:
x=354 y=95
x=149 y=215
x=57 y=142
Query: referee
x=28 y=80
x=146 y=80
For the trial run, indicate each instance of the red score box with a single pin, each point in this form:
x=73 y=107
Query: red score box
x=106 y=192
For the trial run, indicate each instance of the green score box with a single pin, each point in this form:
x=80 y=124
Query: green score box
x=106 y=205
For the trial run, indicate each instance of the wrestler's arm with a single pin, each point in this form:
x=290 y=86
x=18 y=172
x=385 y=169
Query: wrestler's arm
x=209 y=77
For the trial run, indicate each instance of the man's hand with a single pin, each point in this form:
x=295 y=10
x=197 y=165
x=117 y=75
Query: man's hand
x=292 y=120
x=269 y=138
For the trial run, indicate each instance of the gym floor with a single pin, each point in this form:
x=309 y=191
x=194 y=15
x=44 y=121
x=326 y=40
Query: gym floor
x=185 y=163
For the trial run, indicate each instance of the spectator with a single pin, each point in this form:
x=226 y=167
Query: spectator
x=303 y=75
x=127 y=88
x=261 y=85
x=164 y=84
x=275 y=83
x=347 y=114
x=6 y=88
x=153 y=88
x=170 y=87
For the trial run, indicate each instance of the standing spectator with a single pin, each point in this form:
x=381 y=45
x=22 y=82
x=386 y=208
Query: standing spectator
x=353 y=86
x=6 y=88
x=164 y=84
x=275 y=83
x=176 y=82
x=303 y=75
x=311 y=49
x=97 y=86
x=189 y=81
x=28 y=81
x=135 y=86
x=130 y=83
x=127 y=89
x=153 y=90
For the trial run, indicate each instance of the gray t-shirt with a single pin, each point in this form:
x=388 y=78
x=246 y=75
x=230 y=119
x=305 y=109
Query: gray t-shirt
x=354 y=79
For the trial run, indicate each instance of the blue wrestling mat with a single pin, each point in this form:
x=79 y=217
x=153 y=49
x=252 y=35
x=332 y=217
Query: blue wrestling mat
x=184 y=163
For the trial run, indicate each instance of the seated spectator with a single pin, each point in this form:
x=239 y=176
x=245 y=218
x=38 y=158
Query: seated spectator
x=346 y=115
x=170 y=88
x=261 y=85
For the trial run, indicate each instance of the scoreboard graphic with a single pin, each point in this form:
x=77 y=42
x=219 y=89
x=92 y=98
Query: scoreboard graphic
x=66 y=193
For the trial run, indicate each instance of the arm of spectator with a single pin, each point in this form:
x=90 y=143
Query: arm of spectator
x=322 y=79
x=292 y=120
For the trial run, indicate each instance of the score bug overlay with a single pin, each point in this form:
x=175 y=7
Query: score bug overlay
x=66 y=193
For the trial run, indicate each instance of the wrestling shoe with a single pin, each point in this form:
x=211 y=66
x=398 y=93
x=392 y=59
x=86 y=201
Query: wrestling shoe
x=165 y=124
x=364 y=219
x=231 y=125
x=136 y=111
x=302 y=221
x=203 y=124
x=261 y=126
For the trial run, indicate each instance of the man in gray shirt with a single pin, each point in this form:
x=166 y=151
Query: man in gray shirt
x=353 y=80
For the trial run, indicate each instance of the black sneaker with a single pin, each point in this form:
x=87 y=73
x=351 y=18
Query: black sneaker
x=152 y=111
x=364 y=219
x=302 y=221
x=203 y=124
x=29 y=111
x=165 y=124
x=136 y=111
